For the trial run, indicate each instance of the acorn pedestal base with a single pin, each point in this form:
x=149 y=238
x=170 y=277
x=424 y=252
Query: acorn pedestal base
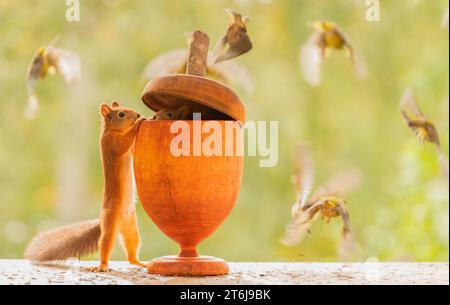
x=188 y=266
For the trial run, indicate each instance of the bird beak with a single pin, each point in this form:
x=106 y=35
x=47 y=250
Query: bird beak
x=318 y=25
x=41 y=51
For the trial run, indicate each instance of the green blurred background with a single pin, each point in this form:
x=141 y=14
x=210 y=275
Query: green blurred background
x=50 y=170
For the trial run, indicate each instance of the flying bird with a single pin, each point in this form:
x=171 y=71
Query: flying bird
x=219 y=64
x=236 y=40
x=326 y=202
x=424 y=129
x=50 y=60
x=327 y=36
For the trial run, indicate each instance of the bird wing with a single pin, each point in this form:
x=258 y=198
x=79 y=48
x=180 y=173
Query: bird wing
x=303 y=178
x=219 y=49
x=444 y=20
x=443 y=164
x=171 y=62
x=359 y=65
x=32 y=106
x=358 y=61
x=67 y=63
x=225 y=50
x=232 y=72
x=409 y=107
x=338 y=185
x=345 y=219
x=311 y=58
x=300 y=225
x=432 y=135
x=346 y=245
x=37 y=68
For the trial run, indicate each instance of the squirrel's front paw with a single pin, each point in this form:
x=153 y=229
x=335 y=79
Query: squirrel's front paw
x=101 y=268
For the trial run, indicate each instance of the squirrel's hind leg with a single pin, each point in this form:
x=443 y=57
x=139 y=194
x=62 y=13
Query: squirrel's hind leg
x=109 y=226
x=131 y=238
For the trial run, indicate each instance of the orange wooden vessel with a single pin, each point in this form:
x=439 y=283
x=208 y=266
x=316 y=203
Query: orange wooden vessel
x=187 y=197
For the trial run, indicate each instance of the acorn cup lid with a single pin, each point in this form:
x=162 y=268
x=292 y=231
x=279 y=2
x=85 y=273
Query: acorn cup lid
x=214 y=100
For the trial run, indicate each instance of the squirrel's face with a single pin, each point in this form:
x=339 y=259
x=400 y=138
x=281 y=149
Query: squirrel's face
x=118 y=118
x=172 y=114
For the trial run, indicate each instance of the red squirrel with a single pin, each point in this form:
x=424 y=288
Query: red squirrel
x=118 y=212
x=181 y=113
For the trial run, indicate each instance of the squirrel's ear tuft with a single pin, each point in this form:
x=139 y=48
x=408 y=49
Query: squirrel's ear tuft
x=105 y=110
x=115 y=104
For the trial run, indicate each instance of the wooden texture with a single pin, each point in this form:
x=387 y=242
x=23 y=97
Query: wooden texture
x=198 y=54
x=213 y=99
x=187 y=197
x=20 y=272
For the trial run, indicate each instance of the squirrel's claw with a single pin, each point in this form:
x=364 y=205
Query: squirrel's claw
x=101 y=268
x=138 y=263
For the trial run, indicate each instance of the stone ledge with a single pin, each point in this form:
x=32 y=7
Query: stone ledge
x=22 y=272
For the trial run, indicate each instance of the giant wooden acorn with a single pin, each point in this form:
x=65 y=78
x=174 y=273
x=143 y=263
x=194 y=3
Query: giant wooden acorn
x=188 y=197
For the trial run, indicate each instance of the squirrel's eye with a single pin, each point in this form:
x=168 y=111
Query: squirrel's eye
x=121 y=114
x=169 y=114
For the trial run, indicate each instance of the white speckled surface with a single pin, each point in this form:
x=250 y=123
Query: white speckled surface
x=22 y=272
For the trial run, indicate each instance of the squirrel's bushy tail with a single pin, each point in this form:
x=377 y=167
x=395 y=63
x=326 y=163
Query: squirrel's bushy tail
x=75 y=240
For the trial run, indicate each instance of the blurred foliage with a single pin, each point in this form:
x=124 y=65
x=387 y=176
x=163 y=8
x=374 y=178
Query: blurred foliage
x=400 y=213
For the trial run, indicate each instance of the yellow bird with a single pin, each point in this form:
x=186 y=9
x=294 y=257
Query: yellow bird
x=424 y=129
x=331 y=38
x=326 y=202
x=327 y=36
x=39 y=65
x=236 y=40
x=50 y=60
